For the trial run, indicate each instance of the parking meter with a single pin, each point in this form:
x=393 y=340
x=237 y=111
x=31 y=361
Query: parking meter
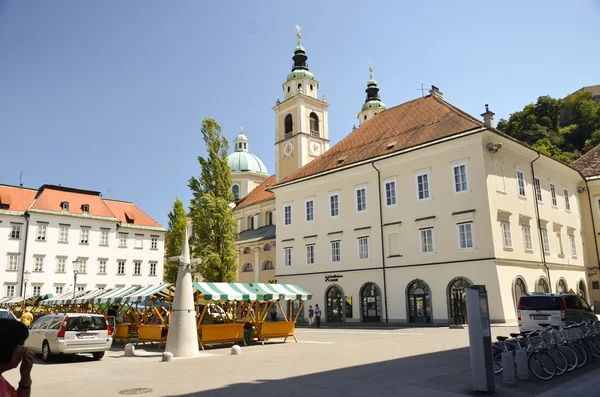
x=480 y=339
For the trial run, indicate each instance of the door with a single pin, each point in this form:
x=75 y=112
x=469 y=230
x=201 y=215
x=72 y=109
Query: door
x=335 y=304
x=457 y=300
x=419 y=303
x=370 y=303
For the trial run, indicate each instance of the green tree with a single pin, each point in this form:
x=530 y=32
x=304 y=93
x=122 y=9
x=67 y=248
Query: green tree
x=210 y=211
x=174 y=239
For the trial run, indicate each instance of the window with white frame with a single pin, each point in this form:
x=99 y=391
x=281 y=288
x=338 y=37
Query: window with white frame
x=154 y=243
x=334 y=205
x=461 y=180
x=121 y=267
x=363 y=248
x=123 y=240
x=390 y=193
x=37 y=290
x=521 y=183
x=287 y=256
x=465 y=235
x=361 y=199
x=61 y=264
x=104 y=237
x=41 y=232
x=393 y=244
x=573 y=246
x=102 y=266
x=506 y=236
x=13 y=262
x=287 y=215
x=545 y=242
x=85 y=236
x=553 y=195
x=538 y=189
x=63 y=234
x=137 y=268
x=100 y=287
x=527 y=238
x=426 y=240
x=58 y=289
x=336 y=251
x=423 y=186
x=139 y=241
x=567 y=203
x=559 y=243
x=310 y=210
x=80 y=288
x=15 y=232
x=153 y=268
x=9 y=291
x=82 y=265
x=310 y=254
x=38 y=264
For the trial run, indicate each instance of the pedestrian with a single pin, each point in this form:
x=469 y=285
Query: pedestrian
x=12 y=353
x=311 y=316
x=274 y=313
x=318 y=315
x=112 y=311
x=27 y=318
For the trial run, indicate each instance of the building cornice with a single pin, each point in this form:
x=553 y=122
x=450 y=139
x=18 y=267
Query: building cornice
x=141 y=227
x=80 y=216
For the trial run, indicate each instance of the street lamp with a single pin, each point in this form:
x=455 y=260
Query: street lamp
x=26 y=275
x=75 y=272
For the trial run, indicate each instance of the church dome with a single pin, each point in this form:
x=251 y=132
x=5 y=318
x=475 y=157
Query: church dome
x=242 y=160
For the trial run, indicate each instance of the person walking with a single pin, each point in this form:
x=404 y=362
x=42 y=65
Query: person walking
x=311 y=316
x=27 y=318
x=318 y=315
x=12 y=353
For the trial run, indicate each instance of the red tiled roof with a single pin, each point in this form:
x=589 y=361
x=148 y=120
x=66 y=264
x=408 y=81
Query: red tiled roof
x=260 y=193
x=50 y=199
x=589 y=163
x=123 y=210
x=18 y=198
x=409 y=124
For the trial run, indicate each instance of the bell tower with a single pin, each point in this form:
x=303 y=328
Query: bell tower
x=301 y=124
x=373 y=104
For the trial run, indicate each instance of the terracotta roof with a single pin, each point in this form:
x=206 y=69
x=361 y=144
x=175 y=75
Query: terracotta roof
x=49 y=198
x=409 y=124
x=17 y=198
x=589 y=163
x=124 y=210
x=260 y=193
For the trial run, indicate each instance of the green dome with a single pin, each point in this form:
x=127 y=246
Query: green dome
x=373 y=104
x=241 y=137
x=300 y=74
x=241 y=161
x=299 y=49
x=371 y=82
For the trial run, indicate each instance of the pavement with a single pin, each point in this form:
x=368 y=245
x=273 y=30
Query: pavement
x=415 y=362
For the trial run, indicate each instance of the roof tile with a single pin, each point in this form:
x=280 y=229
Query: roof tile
x=18 y=198
x=122 y=210
x=50 y=199
x=260 y=193
x=589 y=163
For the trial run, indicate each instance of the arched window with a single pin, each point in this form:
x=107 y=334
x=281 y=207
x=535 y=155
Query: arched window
x=299 y=86
x=562 y=286
x=314 y=124
x=288 y=125
x=370 y=301
x=541 y=286
x=365 y=117
x=267 y=247
x=268 y=265
x=247 y=250
x=236 y=192
x=419 y=302
x=581 y=290
x=335 y=304
x=247 y=268
x=457 y=300
x=519 y=289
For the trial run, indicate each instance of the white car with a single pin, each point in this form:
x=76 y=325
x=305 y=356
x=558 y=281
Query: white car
x=70 y=333
x=7 y=314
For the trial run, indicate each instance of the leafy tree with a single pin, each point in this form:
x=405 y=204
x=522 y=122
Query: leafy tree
x=214 y=240
x=174 y=239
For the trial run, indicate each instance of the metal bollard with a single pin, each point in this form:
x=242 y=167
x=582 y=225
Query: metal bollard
x=508 y=369
x=522 y=364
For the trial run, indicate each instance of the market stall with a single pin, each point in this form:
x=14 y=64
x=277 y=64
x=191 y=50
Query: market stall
x=15 y=304
x=126 y=327
x=59 y=302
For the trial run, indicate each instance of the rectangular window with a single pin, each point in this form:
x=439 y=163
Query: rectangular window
x=102 y=266
x=154 y=243
x=527 y=238
x=559 y=244
x=336 y=251
x=334 y=205
x=310 y=254
x=573 y=246
x=80 y=288
x=121 y=267
x=553 y=195
x=82 y=265
x=521 y=183
x=390 y=193
x=137 y=268
x=139 y=241
x=567 y=203
x=251 y=222
x=545 y=242
x=461 y=183
x=58 y=289
x=500 y=181
x=15 y=232
x=41 y=232
x=38 y=265
x=538 y=189
x=85 y=236
x=13 y=262
x=287 y=215
x=37 y=290
x=10 y=291
x=287 y=256
x=465 y=235
x=61 y=265
x=63 y=234
x=310 y=211
x=363 y=248
x=423 y=186
x=101 y=287
x=104 y=237
x=361 y=199
x=393 y=244
x=123 y=240
x=506 y=237
x=426 y=240
x=153 y=268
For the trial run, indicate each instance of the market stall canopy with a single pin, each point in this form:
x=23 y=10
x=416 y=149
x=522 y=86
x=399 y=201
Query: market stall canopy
x=143 y=294
x=30 y=300
x=5 y=299
x=114 y=295
x=87 y=297
x=220 y=292
x=281 y=291
x=60 y=298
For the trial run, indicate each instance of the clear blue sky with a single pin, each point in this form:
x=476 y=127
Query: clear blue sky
x=106 y=94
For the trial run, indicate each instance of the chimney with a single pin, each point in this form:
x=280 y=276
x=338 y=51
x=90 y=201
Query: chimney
x=434 y=91
x=488 y=117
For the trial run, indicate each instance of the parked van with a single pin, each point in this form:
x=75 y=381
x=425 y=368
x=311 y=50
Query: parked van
x=554 y=309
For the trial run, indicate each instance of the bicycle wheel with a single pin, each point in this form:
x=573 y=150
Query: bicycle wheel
x=497 y=360
x=571 y=356
x=560 y=360
x=542 y=365
x=593 y=348
x=582 y=356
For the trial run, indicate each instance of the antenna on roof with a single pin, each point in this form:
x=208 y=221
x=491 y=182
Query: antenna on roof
x=21 y=173
x=422 y=89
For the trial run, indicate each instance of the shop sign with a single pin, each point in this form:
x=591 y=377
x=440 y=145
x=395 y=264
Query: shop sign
x=333 y=278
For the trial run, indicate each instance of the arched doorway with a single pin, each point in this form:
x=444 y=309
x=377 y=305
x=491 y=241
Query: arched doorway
x=542 y=287
x=519 y=289
x=457 y=300
x=334 y=298
x=370 y=301
x=419 y=302
x=581 y=289
x=562 y=286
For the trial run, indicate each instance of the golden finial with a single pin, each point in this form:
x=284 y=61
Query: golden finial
x=298 y=35
x=371 y=69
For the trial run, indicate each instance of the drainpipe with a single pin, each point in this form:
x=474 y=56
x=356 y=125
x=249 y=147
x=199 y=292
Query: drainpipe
x=24 y=250
x=385 y=300
x=539 y=225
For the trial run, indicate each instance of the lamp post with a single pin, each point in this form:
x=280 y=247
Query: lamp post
x=75 y=272
x=26 y=275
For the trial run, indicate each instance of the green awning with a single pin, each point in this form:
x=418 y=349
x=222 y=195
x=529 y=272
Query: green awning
x=114 y=295
x=61 y=298
x=220 y=292
x=281 y=291
x=87 y=297
x=144 y=293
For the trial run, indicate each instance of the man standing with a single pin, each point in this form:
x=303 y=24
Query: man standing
x=311 y=316
x=318 y=315
x=27 y=318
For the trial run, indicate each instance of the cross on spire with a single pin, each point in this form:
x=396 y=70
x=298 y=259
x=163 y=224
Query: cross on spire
x=298 y=35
